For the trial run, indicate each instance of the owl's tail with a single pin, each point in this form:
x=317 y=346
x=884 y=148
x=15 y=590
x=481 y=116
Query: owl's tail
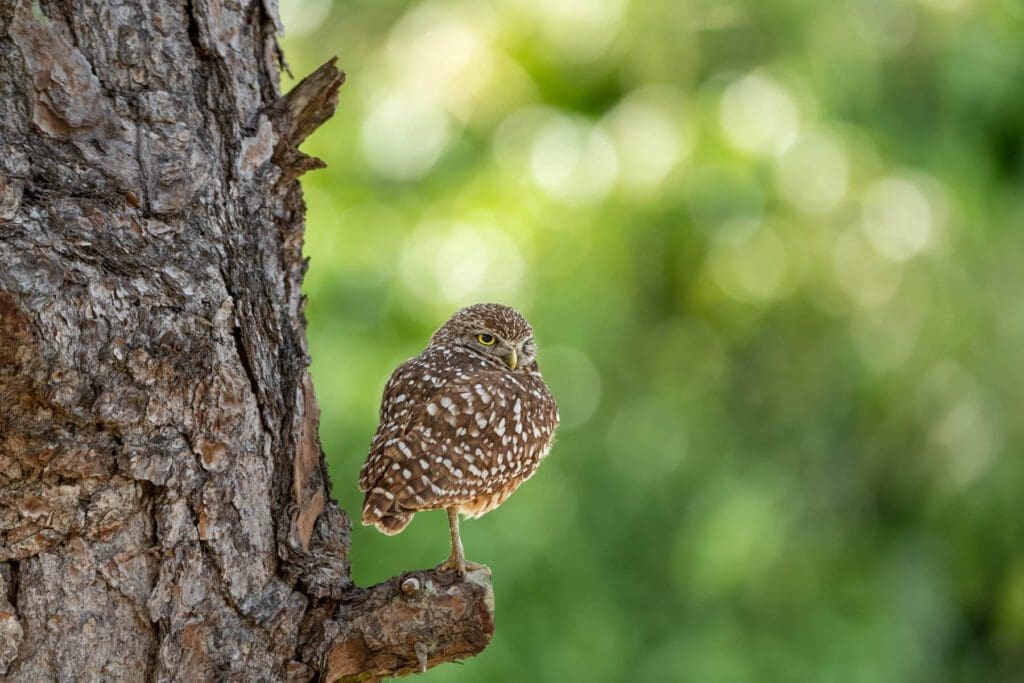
x=379 y=511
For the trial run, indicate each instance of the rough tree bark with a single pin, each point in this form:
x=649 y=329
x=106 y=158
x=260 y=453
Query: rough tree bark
x=165 y=511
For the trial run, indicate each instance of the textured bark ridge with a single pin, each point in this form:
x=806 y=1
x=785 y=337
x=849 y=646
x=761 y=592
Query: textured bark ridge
x=165 y=511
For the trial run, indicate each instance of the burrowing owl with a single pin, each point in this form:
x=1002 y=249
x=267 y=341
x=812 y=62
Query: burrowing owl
x=462 y=425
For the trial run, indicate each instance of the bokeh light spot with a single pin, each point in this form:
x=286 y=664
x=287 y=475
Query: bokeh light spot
x=652 y=134
x=456 y=262
x=512 y=140
x=897 y=218
x=443 y=54
x=302 y=17
x=758 y=115
x=578 y=30
x=403 y=137
x=961 y=422
x=813 y=173
x=572 y=161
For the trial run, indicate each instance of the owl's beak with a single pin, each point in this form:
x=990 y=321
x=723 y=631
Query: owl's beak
x=512 y=359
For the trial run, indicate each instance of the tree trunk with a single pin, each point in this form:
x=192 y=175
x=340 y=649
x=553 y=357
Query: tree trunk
x=165 y=511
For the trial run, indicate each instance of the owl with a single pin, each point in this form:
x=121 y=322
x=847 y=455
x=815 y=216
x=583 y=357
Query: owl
x=462 y=425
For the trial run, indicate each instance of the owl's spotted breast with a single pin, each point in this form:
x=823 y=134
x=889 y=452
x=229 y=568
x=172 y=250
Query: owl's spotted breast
x=458 y=440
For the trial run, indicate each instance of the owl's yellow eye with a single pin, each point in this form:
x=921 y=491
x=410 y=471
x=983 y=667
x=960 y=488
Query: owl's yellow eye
x=486 y=339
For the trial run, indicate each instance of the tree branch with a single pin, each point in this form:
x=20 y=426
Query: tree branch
x=404 y=625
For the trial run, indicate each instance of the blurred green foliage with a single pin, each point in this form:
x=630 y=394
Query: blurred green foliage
x=773 y=252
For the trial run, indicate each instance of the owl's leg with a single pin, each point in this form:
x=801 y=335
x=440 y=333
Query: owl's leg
x=457 y=561
x=458 y=557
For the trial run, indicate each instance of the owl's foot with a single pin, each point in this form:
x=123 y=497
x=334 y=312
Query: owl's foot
x=460 y=565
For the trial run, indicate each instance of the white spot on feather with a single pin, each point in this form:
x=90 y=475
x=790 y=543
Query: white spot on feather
x=384 y=492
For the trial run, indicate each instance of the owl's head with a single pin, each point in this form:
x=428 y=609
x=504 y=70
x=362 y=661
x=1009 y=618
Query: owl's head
x=494 y=332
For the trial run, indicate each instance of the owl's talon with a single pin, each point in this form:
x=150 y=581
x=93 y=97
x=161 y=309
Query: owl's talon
x=451 y=564
x=460 y=565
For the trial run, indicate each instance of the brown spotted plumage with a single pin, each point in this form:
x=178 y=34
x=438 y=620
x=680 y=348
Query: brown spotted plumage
x=462 y=425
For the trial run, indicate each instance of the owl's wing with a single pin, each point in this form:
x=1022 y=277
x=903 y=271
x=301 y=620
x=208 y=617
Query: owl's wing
x=403 y=390
x=468 y=439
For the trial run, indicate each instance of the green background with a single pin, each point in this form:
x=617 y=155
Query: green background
x=773 y=254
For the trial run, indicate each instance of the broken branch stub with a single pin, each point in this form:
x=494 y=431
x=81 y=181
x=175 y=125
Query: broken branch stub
x=299 y=113
x=408 y=624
